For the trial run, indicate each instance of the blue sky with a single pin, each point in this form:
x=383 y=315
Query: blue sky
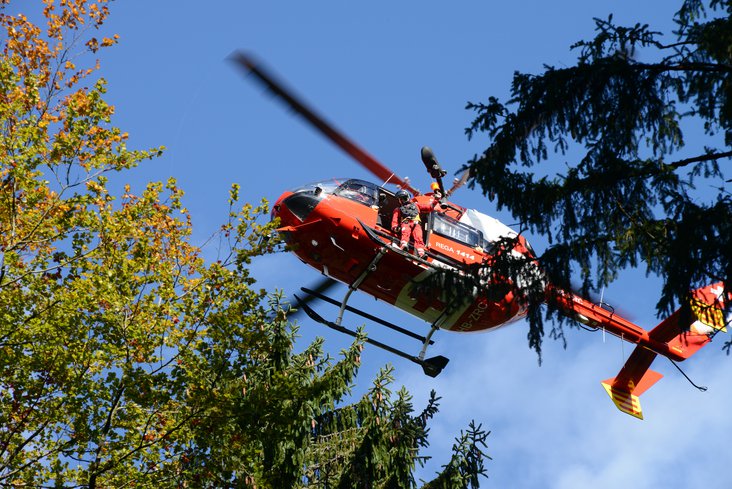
x=396 y=76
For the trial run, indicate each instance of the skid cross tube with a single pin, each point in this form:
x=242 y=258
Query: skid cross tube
x=431 y=366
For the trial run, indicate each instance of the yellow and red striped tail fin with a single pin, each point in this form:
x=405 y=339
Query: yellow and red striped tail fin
x=706 y=318
x=624 y=400
x=633 y=380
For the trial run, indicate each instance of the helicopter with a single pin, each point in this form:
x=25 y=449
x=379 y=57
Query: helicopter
x=344 y=228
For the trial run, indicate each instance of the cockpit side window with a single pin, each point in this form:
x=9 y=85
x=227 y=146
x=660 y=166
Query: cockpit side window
x=450 y=228
x=365 y=193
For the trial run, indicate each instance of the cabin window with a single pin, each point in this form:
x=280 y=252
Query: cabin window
x=448 y=227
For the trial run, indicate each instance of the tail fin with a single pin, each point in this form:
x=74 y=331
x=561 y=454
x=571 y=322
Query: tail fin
x=706 y=319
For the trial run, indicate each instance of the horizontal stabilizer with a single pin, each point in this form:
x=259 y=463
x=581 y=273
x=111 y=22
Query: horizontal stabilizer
x=624 y=400
x=633 y=380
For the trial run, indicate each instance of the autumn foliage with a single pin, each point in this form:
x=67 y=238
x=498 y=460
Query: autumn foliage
x=126 y=359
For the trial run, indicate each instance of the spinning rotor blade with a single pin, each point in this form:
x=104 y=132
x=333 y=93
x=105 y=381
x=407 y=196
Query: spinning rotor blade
x=324 y=285
x=249 y=65
x=459 y=182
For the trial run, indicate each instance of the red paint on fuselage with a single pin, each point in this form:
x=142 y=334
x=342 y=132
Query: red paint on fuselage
x=331 y=240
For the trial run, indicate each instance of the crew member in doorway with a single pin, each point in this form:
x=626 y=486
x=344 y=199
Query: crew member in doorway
x=406 y=223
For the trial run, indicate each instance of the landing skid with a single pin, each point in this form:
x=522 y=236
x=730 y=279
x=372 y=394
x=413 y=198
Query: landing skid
x=431 y=366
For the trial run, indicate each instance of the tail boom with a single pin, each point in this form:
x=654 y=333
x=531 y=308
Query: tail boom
x=678 y=337
x=595 y=316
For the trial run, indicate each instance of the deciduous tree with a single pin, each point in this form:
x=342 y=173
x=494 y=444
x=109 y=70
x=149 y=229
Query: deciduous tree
x=125 y=357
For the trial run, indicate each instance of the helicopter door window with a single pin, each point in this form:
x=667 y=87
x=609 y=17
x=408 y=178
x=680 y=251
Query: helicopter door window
x=359 y=191
x=450 y=228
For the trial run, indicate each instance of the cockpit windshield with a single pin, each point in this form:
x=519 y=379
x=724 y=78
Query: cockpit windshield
x=324 y=187
x=360 y=191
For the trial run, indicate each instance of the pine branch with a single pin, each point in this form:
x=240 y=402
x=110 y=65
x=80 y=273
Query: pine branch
x=699 y=159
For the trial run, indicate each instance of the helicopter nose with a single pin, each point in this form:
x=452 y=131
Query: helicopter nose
x=300 y=204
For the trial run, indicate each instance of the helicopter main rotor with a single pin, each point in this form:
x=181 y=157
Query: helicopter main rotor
x=386 y=175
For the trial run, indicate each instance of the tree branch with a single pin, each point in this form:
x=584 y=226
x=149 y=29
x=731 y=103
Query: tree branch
x=698 y=159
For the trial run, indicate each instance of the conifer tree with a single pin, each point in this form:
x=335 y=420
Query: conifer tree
x=595 y=157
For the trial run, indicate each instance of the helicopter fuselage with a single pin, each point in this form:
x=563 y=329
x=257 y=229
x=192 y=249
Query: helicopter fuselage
x=343 y=229
x=331 y=226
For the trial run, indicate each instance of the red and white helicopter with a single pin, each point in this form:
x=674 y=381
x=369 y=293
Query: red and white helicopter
x=342 y=228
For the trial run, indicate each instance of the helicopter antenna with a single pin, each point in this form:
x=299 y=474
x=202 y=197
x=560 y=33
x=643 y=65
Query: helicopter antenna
x=406 y=179
x=249 y=65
